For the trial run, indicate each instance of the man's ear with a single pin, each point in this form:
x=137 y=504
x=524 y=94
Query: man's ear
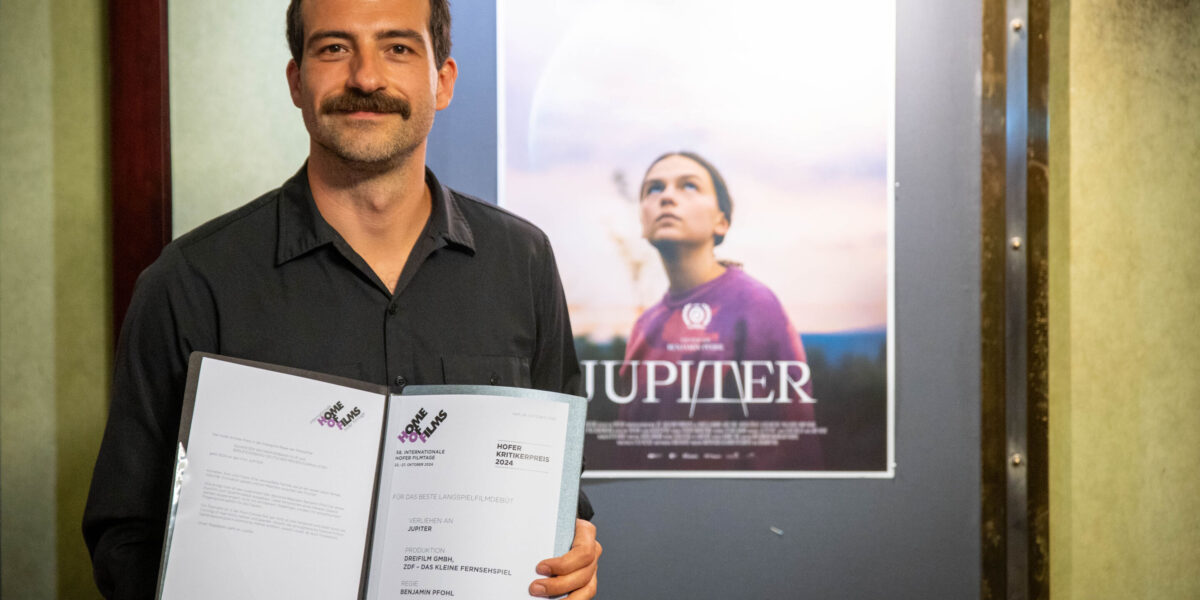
x=446 y=77
x=293 y=77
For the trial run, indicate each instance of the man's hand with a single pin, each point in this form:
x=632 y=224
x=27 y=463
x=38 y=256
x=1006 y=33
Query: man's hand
x=573 y=572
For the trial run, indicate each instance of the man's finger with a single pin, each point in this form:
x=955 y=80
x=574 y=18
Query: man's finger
x=562 y=584
x=573 y=572
x=586 y=592
x=580 y=579
x=584 y=550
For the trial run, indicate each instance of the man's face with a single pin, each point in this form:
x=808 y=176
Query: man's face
x=679 y=204
x=367 y=85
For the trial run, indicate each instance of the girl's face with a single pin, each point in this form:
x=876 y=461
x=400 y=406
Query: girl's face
x=679 y=204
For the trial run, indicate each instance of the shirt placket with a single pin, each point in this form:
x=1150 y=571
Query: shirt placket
x=397 y=345
x=400 y=319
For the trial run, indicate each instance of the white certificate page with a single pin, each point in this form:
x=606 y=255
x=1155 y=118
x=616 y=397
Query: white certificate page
x=277 y=489
x=469 y=496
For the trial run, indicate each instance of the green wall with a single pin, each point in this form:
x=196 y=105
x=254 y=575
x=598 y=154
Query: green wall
x=54 y=289
x=234 y=131
x=1125 y=300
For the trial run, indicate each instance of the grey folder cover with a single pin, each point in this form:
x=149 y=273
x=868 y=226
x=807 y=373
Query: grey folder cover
x=572 y=460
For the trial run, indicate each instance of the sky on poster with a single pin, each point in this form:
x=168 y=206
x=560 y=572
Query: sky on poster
x=790 y=100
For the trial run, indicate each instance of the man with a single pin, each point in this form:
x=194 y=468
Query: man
x=361 y=265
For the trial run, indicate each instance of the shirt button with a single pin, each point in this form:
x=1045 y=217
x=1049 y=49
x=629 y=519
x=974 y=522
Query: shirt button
x=495 y=379
x=401 y=381
x=392 y=309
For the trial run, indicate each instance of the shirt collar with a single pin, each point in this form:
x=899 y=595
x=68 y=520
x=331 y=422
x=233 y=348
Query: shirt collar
x=301 y=227
x=447 y=221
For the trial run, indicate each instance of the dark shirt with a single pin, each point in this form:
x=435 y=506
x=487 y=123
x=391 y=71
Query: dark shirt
x=478 y=302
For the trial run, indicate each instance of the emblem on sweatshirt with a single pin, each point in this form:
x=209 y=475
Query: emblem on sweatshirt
x=697 y=315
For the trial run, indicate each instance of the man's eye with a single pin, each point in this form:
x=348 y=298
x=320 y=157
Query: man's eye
x=333 y=49
x=400 y=49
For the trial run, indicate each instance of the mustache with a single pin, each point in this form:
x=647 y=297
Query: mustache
x=377 y=102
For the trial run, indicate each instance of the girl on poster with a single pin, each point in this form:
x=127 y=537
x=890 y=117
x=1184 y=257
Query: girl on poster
x=713 y=315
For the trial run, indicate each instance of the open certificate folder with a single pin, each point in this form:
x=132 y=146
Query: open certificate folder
x=292 y=484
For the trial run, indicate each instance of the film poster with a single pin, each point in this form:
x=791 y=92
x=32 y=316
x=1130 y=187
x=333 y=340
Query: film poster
x=717 y=183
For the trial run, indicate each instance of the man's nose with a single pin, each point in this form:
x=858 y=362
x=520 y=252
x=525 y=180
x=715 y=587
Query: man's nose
x=366 y=73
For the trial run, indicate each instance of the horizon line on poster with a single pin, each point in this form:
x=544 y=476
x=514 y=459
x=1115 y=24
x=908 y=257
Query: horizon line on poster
x=744 y=379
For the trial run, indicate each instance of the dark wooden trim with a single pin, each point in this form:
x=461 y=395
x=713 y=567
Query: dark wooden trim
x=995 y=244
x=993 y=434
x=1037 y=200
x=141 y=142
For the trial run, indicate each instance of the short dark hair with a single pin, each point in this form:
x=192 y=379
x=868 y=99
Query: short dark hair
x=439 y=30
x=724 y=200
